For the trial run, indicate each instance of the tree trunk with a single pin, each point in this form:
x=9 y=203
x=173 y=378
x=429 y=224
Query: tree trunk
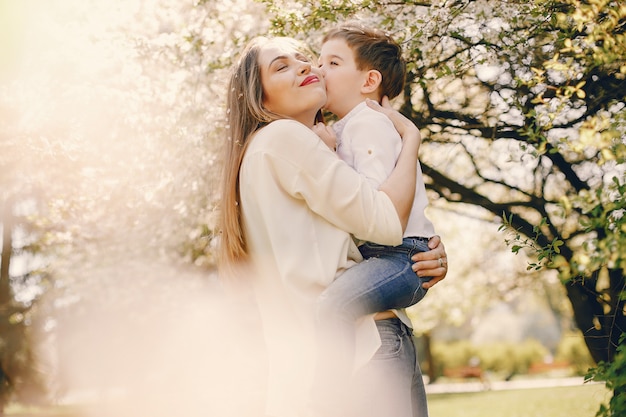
x=601 y=329
x=6 y=219
x=430 y=360
x=617 y=319
x=7 y=248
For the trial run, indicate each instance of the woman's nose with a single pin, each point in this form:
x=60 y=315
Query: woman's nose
x=305 y=68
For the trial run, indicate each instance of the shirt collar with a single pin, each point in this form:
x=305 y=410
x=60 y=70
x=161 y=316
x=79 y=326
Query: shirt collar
x=341 y=123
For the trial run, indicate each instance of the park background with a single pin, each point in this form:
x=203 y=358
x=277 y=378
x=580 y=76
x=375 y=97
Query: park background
x=112 y=115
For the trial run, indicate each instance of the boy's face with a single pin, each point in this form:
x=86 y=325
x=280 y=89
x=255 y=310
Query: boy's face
x=343 y=79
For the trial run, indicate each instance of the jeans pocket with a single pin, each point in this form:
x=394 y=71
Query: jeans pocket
x=391 y=342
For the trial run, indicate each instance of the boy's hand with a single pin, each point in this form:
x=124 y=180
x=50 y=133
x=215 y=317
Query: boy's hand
x=327 y=134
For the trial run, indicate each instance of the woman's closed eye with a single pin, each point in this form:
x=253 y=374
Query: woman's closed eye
x=283 y=65
x=280 y=65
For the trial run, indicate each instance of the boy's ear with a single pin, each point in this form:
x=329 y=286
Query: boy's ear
x=373 y=79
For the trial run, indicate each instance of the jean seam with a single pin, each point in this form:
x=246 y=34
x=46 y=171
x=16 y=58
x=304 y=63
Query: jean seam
x=400 y=337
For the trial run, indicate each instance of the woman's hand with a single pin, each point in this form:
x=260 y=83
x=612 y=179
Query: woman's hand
x=433 y=263
x=403 y=125
x=327 y=134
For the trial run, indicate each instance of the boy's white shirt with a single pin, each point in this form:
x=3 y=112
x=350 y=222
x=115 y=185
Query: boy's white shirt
x=369 y=143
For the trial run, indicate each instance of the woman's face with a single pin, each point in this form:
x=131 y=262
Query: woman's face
x=291 y=86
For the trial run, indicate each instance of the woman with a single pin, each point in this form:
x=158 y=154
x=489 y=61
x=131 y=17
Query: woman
x=289 y=207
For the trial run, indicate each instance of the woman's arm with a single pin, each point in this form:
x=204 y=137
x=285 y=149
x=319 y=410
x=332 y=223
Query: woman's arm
x=400 y=185
x=290 y=156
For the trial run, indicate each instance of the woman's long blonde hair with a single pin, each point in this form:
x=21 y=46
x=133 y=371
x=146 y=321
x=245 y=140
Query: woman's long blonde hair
x=245 y=115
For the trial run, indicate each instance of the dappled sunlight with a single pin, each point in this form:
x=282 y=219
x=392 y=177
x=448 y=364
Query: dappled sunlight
x=91 y=114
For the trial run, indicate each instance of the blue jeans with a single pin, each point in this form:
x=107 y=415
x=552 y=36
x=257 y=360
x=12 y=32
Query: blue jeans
x=391 y=384
x=383 y=281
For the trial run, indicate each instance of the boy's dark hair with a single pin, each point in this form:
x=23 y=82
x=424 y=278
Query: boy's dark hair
x=374 y=49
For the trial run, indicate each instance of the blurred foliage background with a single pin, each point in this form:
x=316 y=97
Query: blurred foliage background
x=111 y=120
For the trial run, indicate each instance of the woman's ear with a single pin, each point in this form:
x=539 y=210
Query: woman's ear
x=373 y=78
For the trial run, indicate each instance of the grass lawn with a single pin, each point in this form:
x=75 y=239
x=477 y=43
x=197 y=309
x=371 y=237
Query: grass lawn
x=573 y=401
x=577 y=401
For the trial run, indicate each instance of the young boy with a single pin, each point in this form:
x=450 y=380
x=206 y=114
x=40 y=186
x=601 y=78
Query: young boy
x=362 y=63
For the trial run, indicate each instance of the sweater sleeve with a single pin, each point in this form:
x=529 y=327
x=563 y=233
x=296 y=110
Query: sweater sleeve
x=289 y=155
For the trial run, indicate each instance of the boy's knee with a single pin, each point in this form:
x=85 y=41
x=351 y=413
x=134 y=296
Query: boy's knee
x=331 y=306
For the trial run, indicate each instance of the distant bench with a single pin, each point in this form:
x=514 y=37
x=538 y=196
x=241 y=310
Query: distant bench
x=464 y=372
x=543 y=367
x=468 y=372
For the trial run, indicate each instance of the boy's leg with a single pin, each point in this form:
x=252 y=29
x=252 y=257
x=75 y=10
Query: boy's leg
x=380 y=283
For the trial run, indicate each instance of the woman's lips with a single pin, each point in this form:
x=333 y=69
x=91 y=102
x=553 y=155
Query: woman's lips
x=309 y=80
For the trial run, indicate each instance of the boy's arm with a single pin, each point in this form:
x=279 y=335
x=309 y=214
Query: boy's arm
x=406 y=164
x=374 y=145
